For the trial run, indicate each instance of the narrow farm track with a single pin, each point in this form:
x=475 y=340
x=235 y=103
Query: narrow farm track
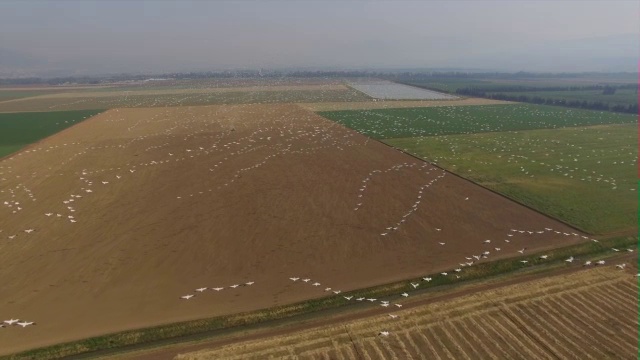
x=588 y=314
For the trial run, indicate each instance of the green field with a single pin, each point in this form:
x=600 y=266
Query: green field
x=20 y=129
x=20 y=94
x=450 y=120
x=583 y=175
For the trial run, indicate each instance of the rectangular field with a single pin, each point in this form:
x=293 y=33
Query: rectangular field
x=20 y=129
x=583 y=175
x=394 y=91
x=448 y=120
x=142 y=97
x=591 y=314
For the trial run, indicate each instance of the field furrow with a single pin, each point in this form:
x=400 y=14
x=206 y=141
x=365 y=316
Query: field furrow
x=556 y=329
x=495 y=346
x=495 y=333
x=412 y=348
x=467 y=330
x=572 y=324
x=525 y=347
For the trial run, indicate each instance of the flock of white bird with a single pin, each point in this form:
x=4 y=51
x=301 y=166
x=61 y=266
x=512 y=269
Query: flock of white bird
x=15 y=323
x=264 y=139
x=201 y=290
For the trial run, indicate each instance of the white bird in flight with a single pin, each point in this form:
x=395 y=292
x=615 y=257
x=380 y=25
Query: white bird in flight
x=25 y=324
x=201 y=289
x=11 y=321
x=415 y=285
x=186 y=297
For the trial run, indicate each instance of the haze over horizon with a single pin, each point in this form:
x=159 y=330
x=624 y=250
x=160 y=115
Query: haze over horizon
x=98 y=37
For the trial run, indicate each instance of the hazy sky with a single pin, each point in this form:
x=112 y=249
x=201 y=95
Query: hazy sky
x=107 y=36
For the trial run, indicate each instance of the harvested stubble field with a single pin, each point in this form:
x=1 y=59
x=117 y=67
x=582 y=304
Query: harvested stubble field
x=169 y=96
x=133 y=208
x=590 y=314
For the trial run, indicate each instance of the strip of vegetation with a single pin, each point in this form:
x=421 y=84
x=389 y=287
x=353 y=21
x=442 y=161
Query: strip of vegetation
x=155 y=335
x=450 y=120
x=20 y=129
x=555 y=101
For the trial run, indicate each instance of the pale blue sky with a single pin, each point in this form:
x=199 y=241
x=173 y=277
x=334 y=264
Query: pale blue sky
x=108 y=36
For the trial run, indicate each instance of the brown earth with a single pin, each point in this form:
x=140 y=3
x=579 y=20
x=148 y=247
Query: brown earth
x=212 y=196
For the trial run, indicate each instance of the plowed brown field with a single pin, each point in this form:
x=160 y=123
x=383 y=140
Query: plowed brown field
x=590 y=314
x=136 y=207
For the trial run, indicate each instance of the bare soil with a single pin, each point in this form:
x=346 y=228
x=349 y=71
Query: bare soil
x=173 y=199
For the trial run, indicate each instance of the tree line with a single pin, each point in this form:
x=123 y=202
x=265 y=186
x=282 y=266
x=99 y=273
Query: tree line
x=583 y=104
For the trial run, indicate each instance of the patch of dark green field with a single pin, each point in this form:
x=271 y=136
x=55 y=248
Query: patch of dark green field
x=451 y=120
x=20 y=129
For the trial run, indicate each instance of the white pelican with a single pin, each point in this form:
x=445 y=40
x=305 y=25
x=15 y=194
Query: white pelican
x=524 y=261
x=621 y=266
x=587 y=263
x=415 y=285
x=427 y=279
x=294 y=278
x=360 y=299
x=570 y=259
x=11 y=321
x=316 y=284
x=383 y=333
x=202 y=289
x=29 y=231
x=441 y=243
x=393 y=316
x=521 y=251
x=217 y=289
x=405 y=294
x=186 y=297
x=327 y=289
x=614 y=249
x=487 y=241
x=348 y=297
x=249 y=283
x=306 y=280
x=372 y=300
x=384 y=305
x=234 y=286
x=337 y=292
x=398 y=305
x=601 y=262
x=544 y=257
x=25 y=324
x=444 y=273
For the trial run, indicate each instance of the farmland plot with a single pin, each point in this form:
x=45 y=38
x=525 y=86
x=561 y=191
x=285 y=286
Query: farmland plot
x=105 y=226
x=589 y=314
x=450 y=120
x=584 y=175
